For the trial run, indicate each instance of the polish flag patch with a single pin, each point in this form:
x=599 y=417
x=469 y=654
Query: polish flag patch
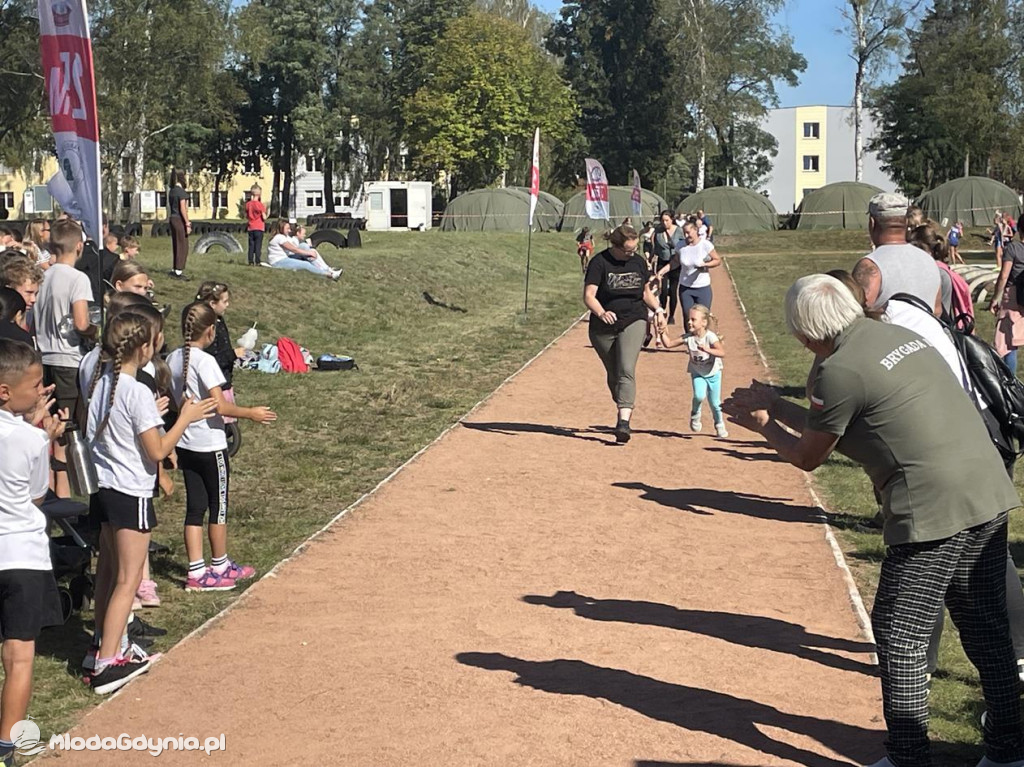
x=817 y=404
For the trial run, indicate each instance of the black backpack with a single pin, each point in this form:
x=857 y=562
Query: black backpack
x=992 y=380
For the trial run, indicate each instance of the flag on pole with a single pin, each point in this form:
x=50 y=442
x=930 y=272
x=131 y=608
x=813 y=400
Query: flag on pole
x=71 y=88
x=535 y=175
x=597 y=191
x=635 y=197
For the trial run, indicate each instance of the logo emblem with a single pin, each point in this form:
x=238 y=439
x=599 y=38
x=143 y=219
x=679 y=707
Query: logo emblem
x=61 y=11
x=25 y=735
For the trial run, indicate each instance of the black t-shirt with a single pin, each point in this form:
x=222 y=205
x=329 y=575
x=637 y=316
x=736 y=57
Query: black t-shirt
x=223 y=351
x=101 y=261
x=620 y=289
x=12 y=332
x=174 y=198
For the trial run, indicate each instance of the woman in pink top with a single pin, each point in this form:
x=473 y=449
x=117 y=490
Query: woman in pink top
x=256 y=214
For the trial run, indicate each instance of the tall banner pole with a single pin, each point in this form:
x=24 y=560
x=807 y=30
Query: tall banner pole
x=66 y=48
x=597 y=192
x=534 y=194
x=636 y=198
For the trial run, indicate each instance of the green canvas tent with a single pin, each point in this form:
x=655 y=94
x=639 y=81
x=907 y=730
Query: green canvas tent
x=733 y=209
x=496 y=210
x=548 y=206
x=621 y=206
x=973 y=200
x=843 y=205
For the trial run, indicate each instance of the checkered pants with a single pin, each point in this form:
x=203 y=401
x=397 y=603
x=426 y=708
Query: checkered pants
x=968 y=570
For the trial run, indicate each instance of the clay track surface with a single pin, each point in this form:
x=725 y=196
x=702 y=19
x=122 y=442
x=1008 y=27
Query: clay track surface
x=528 y=593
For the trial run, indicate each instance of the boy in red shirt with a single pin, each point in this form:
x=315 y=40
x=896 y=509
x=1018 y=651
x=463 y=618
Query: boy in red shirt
x=256 y=215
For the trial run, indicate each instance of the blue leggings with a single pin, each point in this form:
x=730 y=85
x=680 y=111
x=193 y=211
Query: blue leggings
x=690 y=296
x=295 y=265
x=702 y=386
x=1011 y=361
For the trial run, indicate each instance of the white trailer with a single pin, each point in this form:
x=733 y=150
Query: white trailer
x=396 y=206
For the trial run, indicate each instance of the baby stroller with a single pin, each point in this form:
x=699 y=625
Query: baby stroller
x=70 y=553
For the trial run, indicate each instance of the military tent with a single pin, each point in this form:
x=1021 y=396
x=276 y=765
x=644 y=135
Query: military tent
x=973 y=200
x=733 y=209
x=547 y=205
x=621 y=205
x=497 y=210
x=843 y=205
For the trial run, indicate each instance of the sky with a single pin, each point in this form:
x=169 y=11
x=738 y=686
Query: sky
x=828 y=78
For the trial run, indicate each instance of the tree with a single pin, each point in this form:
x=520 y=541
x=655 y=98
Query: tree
x=730 y=58
x=523 y=13
x=614 y=59
x=876 y=29
x=22 y=121
x=488 y=89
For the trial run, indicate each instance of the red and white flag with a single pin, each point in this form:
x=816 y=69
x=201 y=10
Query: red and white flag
x=71 y=88
x=535 y=175
x=597 y=191
x=635 y=198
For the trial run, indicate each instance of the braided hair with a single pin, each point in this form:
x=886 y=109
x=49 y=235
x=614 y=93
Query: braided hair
x=162 y=373
x=196 y=319
x=125 y=335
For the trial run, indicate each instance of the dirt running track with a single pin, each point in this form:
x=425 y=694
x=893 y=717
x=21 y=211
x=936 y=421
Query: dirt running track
x=528 y=593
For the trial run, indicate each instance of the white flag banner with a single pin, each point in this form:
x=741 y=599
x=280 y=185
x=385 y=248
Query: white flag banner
x=71 y=88
x=635 y=198
x=535 y=175
x=597 y=191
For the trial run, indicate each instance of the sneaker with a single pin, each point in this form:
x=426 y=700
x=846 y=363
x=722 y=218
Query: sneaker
x=136 y=603
x=695 y=424
x=209 y=581
x=139 y=628
x=721 y=431
x=116 y=675
x=237 y=572
x=622 y=431
x=136 y=653
x=336 y=273
x=147 y=594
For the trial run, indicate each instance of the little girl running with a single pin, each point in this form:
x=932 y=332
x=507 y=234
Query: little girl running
x=202 y=452
x=705 y=368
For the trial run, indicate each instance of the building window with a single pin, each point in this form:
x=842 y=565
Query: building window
x=161 y=199
x=812 y=130
x=376 y=201
x=811 y=162
x=7 y=200
x=314 y=199
x=314 y=164
x=126 y=200
x=341 y=200
x=218 y=200
x=193 y=199
x=251 y=163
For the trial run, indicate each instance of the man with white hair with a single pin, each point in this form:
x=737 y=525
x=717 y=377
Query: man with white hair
x=883 y=398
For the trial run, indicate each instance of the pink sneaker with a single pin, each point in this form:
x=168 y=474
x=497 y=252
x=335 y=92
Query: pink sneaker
x=209 y=581
x=237 y=572
x=147 y=594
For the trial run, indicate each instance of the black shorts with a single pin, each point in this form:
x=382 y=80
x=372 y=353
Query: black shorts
x=28 y=602
x=124 y=512
x=206 y=486
x=65 y=383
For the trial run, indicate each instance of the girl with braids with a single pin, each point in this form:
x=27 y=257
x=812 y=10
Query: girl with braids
x=202 y=452
x=218 y=296
x=123 y=427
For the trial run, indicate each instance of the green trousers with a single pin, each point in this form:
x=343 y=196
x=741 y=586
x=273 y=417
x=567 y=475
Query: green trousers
x=619 y=351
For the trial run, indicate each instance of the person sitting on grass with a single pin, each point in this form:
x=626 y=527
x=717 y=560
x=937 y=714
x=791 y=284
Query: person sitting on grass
x=283 y=253
x=306 y=244
x=28 y=592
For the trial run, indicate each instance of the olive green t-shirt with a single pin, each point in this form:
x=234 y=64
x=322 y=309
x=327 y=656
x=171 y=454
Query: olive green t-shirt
x=889 y=397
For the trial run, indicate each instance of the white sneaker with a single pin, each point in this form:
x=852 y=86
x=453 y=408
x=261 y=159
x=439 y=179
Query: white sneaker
x=695 y=424
x=721 y=431
x=336 y=273
x=986 y=762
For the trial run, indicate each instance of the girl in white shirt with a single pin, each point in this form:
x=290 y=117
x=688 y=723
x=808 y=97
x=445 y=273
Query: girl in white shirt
x=123 y=427
x=705 y=367
x=693 y=257
x=283 y=252
x=202 y=453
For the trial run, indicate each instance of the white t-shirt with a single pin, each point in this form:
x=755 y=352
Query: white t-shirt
x=275 y=252
x=121 y=463
x=207 y=435
x=702 y=363
x=928 y=327
x=87 y=367
x=24 y=476
x=62 y=287
x=691 y=260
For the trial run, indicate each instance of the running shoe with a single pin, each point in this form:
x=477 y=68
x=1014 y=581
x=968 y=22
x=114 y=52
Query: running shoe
x=116 y=675
x=695 y=424
x=721 y=431
x=139 y=629
x=209 y=581
x=136 y=653
x=622 y=431
x=237 y=572
x=147 y=594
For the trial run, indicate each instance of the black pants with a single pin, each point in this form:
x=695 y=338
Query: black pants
x=179 y=242
x=255 y=247
x=669 y=291
x=968 y=571
x=206 y=486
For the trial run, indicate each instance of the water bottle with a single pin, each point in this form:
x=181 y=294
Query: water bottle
x=81 y=469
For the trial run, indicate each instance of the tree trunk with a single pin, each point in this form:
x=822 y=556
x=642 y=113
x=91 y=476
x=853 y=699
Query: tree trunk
x=328 y=185
x=858 y=92
x=275 y=189
x=135 y=214
x=967 y=163
x=217 y=178
x=286 y=160
x=114 y=211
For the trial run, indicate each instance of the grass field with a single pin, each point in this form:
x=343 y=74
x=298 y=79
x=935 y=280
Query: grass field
x=762 y=281
x=422 y=364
